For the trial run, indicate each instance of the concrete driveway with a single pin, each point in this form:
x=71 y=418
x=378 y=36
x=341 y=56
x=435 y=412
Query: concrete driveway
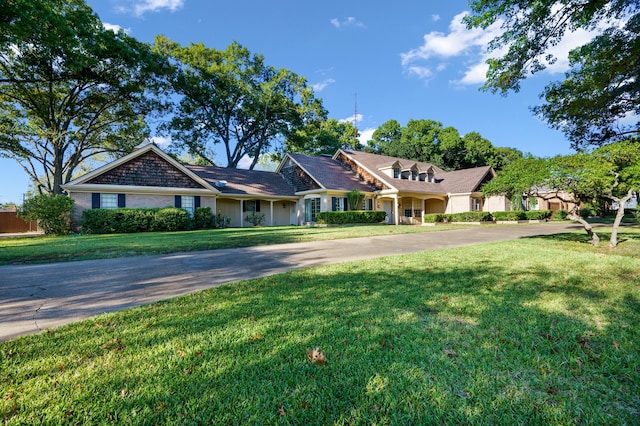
x=37 y=297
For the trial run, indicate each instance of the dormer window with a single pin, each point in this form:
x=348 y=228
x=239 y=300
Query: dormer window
x=405 y=174
x=431 y=177
x=422 y=177
x=396 y=172
x=414 y=174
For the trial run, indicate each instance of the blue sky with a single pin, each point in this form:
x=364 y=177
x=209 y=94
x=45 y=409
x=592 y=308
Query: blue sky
x=412 y=59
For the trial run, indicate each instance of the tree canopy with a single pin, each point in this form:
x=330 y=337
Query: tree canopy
x=611 y=172
x=69 y=89
x=429 y=141
x=232 y=97
x=323 y=136
x=598 y=101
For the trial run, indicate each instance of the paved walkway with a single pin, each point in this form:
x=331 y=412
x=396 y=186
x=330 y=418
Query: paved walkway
x=37 y=297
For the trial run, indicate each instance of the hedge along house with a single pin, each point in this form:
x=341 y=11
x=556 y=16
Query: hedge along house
x=301 y=187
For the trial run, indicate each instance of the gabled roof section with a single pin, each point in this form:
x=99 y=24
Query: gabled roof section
x=244 y=182
x=148 y=166
x=328 y=173
x=467 y=180
x=459 y=181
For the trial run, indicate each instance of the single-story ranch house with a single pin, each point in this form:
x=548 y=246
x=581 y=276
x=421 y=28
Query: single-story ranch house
x=301 y=187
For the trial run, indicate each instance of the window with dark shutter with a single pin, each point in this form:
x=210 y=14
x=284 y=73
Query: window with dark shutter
x=122 y=201
x=95 y=200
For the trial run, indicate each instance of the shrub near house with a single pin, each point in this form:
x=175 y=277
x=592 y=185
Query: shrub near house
x=350 y=216
x=115 y=221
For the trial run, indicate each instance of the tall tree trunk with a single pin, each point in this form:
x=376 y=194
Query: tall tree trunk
x=595 y=240
x=619 y=215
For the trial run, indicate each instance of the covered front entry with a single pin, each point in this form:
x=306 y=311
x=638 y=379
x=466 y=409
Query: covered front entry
x=276 y=212
x=387 y=206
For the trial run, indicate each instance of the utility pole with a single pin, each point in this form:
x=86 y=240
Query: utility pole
x=355 y=115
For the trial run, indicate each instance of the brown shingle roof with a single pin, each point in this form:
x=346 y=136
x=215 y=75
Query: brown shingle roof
x=459 y=181
x=330 y=174
x=244 y=182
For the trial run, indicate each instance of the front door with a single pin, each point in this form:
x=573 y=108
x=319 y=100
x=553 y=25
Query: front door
x=387 y=206
x=307 y=210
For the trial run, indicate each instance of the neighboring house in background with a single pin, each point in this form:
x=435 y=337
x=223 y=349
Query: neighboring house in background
x=547 y=199
x=301 y=187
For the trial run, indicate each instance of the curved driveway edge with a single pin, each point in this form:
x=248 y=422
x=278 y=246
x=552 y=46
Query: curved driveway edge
x=37 y=297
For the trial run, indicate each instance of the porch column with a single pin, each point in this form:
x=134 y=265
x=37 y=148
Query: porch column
x=395 y=210
x=271 y=210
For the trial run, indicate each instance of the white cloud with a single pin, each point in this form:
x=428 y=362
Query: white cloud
x=460 y=40
x=347 y=22
x=420 y=72
x=470 y=45
x=140 y=7
x=161 y=141
x=356 y=117
x=366 y=135
x=435 y=17
x=319 y=87
x=115 y=28
x=245 y=162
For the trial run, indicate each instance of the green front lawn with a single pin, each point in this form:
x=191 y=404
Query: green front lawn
x=82 y=247
x=534 y=331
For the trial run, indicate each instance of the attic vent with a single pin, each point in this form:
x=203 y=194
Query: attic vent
x=220 y=183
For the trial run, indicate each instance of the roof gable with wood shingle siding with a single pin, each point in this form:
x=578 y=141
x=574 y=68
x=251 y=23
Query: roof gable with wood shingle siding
x=148 y=169
x=296 y=176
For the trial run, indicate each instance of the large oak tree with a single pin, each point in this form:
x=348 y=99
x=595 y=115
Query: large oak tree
x=231 y=97
x=69 y=88
x=598 y=100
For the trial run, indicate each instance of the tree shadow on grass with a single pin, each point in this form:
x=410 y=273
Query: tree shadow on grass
x=418 y=340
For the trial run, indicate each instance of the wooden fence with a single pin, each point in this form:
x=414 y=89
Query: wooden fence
x=11 y=223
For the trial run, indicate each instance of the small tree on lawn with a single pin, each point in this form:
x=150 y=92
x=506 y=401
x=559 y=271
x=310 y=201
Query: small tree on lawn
x=620 y=164
x=546 y=178
x=611 y=172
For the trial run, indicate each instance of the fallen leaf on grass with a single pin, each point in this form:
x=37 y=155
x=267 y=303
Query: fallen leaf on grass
x=316 y=357
x=448 y=352
x=113 y=345
x=255 y=337
x=281 y=410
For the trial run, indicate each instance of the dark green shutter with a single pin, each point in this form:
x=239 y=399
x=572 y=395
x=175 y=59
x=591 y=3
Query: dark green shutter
x=121 y=201
x=178 y=201
x=334 y=204
x=345 y=202
x=196 y=201
x=95 y=200
x=257 y=206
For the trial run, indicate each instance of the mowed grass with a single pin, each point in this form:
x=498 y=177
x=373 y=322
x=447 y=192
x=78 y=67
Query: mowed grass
x=43 y=249
x=534 y=331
